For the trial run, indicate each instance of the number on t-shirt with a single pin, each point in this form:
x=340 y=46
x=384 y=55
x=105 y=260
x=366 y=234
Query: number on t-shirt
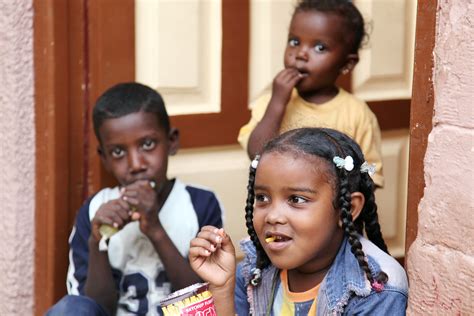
x=141 y=294
x=135 y=289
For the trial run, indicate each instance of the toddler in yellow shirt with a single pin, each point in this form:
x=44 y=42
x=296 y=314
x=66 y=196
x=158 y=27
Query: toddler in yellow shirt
x=323 y=42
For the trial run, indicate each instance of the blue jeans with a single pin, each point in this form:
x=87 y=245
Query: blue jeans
x=76 y=305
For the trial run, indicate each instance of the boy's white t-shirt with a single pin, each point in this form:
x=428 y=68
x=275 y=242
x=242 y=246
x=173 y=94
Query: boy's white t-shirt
x=137 y=268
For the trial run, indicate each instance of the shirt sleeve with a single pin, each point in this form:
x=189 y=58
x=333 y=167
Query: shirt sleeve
x=242 y=306
x=369 y=138
x=207 y=207
x=258 y=110
x=79 y=252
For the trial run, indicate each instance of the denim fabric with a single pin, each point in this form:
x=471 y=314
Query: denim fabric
x=76 y=305
x=345 y=289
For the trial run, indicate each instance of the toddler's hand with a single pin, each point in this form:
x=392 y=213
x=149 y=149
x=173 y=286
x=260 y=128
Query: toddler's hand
x=212 y=256
x=283 y=84
x=114 y=213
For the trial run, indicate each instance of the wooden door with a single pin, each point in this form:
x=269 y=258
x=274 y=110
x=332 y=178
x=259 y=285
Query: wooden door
x=81 y=49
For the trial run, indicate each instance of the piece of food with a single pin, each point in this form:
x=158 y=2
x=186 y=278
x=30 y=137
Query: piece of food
x=270 y=239
x=107 y=231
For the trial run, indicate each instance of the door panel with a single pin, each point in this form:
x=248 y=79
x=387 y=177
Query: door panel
x=385 y=69
x=179 y=52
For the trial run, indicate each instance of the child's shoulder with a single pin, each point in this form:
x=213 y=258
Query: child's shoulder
x=194 y=189
x=203 y=200
x=397 y=277
x=355 y=107
x=351 y=100
x=198 y=194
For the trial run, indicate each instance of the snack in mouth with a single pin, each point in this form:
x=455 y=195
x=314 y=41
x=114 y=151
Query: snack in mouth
x=270 y=239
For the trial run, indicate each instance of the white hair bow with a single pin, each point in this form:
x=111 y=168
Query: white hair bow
x=346 y=163
x=254 y=163
x=368 y=167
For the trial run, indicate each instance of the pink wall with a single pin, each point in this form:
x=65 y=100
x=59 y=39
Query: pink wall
x=441 y=260
x=17 y=149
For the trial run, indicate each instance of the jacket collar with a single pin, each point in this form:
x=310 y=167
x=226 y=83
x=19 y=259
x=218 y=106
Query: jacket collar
x=344 y=278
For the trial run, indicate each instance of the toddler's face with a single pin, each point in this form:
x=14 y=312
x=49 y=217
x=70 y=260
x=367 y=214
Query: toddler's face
x=317 y=46
x=294 y=217
x=135 y=147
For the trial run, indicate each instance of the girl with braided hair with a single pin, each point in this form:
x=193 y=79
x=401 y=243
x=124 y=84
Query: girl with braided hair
x=310 y=198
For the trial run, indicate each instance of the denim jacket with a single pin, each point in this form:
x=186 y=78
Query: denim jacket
x=344 y=290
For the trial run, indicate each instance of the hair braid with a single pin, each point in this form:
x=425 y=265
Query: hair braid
x=262 y=258
x=348 y=224
x=369 y=214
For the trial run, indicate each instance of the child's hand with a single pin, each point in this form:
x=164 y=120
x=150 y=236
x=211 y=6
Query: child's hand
x=283 y=84
x=115 y=213
x=212 y=256
x=142 y=198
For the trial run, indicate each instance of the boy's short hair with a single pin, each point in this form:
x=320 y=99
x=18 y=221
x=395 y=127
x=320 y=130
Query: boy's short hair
x=127 y=98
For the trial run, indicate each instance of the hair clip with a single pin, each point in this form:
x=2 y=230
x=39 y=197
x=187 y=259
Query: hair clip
x=347 y=163
x=368 y=168
x=254 y=163
x=256 y=276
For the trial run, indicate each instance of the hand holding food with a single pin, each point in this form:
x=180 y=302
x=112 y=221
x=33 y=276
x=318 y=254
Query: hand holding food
x=117 y=213
x=212 y=256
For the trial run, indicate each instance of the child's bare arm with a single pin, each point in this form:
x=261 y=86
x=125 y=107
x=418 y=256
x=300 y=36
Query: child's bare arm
x=142 y=196
x=212 y=256
x=269 y=126
x=100 y=285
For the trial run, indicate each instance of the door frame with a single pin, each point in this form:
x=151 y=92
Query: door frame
x=421 y=113
x=66 y=81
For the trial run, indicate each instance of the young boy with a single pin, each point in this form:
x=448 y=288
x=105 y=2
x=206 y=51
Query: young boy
x=156 y=216
x=323 y=42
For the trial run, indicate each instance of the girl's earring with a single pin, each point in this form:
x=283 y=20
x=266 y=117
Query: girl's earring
x=345 y=71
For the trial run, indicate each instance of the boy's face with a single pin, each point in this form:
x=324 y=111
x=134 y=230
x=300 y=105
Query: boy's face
x=135 y=147
x=318 y=46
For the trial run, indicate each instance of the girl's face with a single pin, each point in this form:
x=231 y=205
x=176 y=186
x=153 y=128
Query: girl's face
x=318 y=46
x=294 y=206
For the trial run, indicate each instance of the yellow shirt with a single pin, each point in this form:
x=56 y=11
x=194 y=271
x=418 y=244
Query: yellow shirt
x=344 y=113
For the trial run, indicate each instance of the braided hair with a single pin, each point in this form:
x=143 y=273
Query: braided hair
x=354 y=22
x=326 y=144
